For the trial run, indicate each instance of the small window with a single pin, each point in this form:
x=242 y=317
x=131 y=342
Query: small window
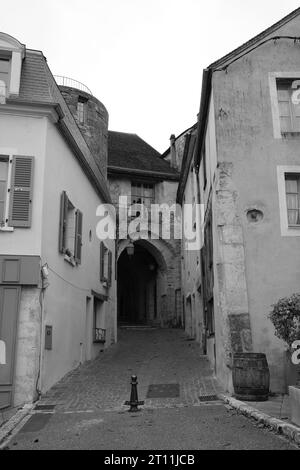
x=81 y=109
x=142 y=194
x=288 y=94
x=4 y=76
x=3 y=188
x=292 y=190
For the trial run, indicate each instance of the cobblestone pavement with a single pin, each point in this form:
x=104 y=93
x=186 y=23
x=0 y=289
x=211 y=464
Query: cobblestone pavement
x=156 y=356
x=89 y=408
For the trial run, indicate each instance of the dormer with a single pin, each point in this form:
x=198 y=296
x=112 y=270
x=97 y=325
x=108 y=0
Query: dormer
x=12 y=52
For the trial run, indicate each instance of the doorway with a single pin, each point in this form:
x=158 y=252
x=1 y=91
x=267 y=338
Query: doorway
x=137 y=287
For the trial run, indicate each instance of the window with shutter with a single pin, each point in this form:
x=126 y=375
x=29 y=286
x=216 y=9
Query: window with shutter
x=102 y=262
x=21 y=191
x=70 y=230
x=3 y=188
x=63 y=221
x=78 y=236
x=105 y=264
x=109 y=274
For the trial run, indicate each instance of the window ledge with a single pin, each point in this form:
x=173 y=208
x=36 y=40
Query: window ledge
x=290 y=134
x=70 y=260
x=7 y=229
x=297 y=227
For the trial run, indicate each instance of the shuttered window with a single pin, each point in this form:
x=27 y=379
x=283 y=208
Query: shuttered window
x=103 y=251
x=21 y=191
x=105 y=264
x=3 y=188
x=78 y=236
x=63 y=221
x=109 y=274
x=70 y=229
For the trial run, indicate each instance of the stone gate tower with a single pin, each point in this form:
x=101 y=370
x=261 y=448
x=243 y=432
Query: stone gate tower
x=91 y=117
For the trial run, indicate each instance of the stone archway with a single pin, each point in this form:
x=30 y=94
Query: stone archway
x=147 y=283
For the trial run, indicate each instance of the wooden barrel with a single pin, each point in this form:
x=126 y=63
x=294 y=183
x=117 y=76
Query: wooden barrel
x=251 y=377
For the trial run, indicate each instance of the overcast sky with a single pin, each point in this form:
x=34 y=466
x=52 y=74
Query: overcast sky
x=142 y=58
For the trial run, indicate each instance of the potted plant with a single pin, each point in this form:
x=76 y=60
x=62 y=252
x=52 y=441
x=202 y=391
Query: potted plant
x=285 y=317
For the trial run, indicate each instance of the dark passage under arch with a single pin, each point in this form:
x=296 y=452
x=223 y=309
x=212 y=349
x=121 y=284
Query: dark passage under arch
x=137 y=287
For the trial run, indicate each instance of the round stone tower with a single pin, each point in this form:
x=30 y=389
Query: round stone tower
x=90 y=115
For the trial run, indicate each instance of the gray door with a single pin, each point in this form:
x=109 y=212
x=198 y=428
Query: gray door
x=9 y=307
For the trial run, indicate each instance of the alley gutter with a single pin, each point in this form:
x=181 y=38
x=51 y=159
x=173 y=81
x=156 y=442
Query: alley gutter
x=7 y=429
x=289 y=430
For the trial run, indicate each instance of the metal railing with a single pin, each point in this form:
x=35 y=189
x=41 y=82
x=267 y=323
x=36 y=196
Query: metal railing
x=99 y=335
x=70 y=82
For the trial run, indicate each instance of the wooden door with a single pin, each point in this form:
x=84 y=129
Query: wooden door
x=9 y=308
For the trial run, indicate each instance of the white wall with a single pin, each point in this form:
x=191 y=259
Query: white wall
x=69 y=287
x=24 y=135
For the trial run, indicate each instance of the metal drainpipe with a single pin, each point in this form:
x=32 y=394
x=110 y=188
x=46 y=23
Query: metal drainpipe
x=41 y=356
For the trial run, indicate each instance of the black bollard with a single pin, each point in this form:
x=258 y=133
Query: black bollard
x=134 y=401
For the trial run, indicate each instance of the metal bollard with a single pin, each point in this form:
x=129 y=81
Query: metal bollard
x=134 y=401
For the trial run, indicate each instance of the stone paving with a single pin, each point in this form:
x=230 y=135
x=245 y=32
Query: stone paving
x=156 y=356
x=277 y=406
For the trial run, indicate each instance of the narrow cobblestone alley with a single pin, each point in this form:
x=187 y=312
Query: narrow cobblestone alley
x=156 y=356
x=89 y=413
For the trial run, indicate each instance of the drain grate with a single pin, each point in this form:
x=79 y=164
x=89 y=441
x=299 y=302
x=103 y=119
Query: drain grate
x=44 y=407
x=208 y=398
x=37 y=422
x=163 y=391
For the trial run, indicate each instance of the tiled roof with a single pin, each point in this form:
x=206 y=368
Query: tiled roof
x=34 y=84
x=39 y=86
x=129 y=151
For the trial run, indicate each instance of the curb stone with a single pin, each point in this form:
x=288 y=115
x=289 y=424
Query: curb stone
x=291 y=431
x=13 y=422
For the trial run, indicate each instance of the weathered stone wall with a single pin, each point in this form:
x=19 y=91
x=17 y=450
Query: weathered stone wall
x=166 y=252
x=95 y=126
x=256 y=264
x=233 y=328
x=27 y=346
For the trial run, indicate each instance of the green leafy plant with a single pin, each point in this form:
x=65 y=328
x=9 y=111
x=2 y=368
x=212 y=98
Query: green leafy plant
x=285 y=317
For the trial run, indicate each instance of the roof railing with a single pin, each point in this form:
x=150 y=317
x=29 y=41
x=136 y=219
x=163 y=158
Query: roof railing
x=70 y=82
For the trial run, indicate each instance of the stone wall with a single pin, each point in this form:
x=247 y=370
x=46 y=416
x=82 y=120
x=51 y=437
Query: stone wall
x=95 y=126
x=166 y=252
x=28 y=346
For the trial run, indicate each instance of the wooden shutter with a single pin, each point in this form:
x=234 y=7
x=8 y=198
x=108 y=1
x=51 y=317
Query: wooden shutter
x=63 y=221
x=78 y=236
x=109 y=275
x=20 y=208
x=102 y=255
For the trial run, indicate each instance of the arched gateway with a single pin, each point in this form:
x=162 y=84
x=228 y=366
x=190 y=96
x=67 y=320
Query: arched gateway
x=145 y=284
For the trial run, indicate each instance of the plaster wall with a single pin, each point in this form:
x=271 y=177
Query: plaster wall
x=66 y=305
x=249 y=154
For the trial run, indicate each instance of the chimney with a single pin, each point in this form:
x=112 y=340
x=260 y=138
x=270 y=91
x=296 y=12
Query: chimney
x=173 y=151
